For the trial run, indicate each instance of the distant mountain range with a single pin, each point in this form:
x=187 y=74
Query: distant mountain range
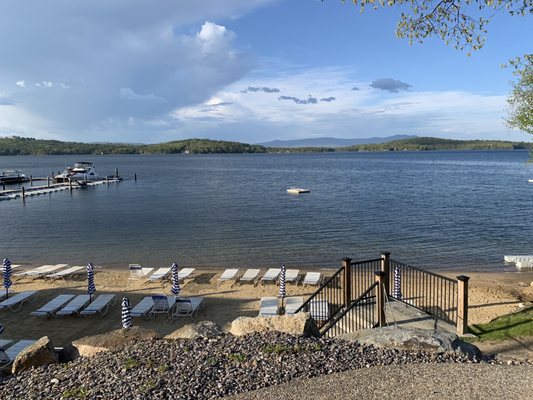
x=333 y=142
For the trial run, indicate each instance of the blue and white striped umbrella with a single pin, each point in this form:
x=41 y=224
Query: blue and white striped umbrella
x=126 y=314
x=90 y=281
x=175 y=280
x=7 y=275
x=1 y=328
x=282 y=290
x=397 y=290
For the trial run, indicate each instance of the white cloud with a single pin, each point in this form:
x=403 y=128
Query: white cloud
x=21 y=84
x=121 y=61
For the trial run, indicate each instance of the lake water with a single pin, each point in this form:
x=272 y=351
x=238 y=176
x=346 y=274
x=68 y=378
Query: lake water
x=437 y=210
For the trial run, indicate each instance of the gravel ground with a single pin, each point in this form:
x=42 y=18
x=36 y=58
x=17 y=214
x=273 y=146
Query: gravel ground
x=211 y=368
x=424 y=382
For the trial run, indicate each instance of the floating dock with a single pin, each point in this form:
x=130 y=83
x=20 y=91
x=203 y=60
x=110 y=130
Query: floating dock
x=53 y=187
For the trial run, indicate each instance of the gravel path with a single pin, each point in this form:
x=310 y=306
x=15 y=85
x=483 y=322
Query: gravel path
x=424 y=382
x=213 y=368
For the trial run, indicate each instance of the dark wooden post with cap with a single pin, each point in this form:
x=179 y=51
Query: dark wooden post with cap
x=380 y=298
x=462 y=304
x=385 y=267
x=346 y=264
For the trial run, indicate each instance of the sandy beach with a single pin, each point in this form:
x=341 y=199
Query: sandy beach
x=491 y=295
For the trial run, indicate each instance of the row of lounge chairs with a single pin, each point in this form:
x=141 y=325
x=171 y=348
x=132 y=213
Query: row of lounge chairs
x=138 y=272
x=271 y=275
x=62 y=271
x=149 y=306
x=69 y=304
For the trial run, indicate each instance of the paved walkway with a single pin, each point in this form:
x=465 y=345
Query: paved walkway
x=428 y=382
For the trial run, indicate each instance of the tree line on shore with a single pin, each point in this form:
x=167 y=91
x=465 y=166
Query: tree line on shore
x=16 y=145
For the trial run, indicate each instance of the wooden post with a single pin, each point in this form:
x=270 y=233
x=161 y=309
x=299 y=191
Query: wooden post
x=135 y=176
x=31 y=180
x=346 y=264
x=23 y=192
x=385 y=267
x=107 y=180
x=70 y=184
x=380 y=299
x=462 y=304
x=48 y=181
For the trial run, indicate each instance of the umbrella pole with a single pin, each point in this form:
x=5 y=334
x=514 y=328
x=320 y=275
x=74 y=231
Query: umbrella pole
x=7 y=293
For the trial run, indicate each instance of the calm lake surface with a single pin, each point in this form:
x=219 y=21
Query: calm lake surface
x=437 y=210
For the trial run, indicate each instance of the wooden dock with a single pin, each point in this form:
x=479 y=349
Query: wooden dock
x=25 y=191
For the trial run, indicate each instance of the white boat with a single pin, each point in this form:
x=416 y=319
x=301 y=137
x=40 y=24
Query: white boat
x=81 y=171
x=530 y=180
x=8 y=176
x=297 y=190
x=524 y=263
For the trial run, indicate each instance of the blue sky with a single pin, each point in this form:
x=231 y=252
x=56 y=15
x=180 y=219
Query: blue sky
x=245 y=70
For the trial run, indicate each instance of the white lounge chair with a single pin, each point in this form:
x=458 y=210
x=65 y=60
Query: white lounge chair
x=8 y=355
x=75 y=305
x=228 y=275
x=271 y=275
x=137 y=272
x=319 y=309
x=312 y=278
x=143 y=308
x=159 y=274
x=53 y=305
x=292 y=304
x=99 y=305
x=42 y=270
x=69 y=272
x=292 y=275
x=162 y=304
x=249 y=275
x=268 y=306
x=188 y=306
x=15 y=302
x=185 y=273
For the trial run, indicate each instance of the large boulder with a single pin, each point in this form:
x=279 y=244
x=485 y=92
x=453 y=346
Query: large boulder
x=393 y=337
x=206 y=329
x=300 y=324
x=40 y=353
x=91 y=345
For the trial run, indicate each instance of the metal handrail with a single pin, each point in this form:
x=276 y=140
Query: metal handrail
x=347 y=309
x=319 y=290
x=451 y=280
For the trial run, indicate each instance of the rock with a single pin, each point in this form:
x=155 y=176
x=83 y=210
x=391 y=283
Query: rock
x=91 y=345
x=522 y=284
x=531 y=284
x=40 y=353
x=300 y=324
x=392 y=337
x=207 y=329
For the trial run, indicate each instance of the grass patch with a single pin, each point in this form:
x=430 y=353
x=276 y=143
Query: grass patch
x=76 y=393
x=519 y=324
x=131 y=363
x=237 y=357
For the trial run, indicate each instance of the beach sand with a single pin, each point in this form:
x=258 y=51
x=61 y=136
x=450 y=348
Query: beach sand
x=490 y=294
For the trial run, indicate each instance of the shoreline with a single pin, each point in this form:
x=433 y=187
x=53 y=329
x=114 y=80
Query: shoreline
x=491 y=294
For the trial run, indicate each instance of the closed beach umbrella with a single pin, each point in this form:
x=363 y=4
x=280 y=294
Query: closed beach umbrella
x=7 y=275
x=397 y=290
x=90 y=281
x=175 y=280
x=1 y=328
x=126 y=314
x=282 y=290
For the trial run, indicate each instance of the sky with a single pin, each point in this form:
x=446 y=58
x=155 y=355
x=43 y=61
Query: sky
x=145 y=71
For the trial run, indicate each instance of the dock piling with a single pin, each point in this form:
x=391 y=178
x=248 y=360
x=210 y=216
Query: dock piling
x=135 y=176
x=31 y=180
x=23 y=192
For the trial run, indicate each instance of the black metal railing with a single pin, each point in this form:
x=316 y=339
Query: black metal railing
x=432 y=293
x=363 y=275
x=360 y=314
x=328 y=299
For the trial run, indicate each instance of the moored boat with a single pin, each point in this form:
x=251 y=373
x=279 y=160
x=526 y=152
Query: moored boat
x=81 y=171
x=297 y=190
x=9 y=176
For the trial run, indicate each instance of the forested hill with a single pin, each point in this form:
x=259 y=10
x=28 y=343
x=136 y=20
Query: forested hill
x=25 y=146
x=29 y=146
x=430 y=143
